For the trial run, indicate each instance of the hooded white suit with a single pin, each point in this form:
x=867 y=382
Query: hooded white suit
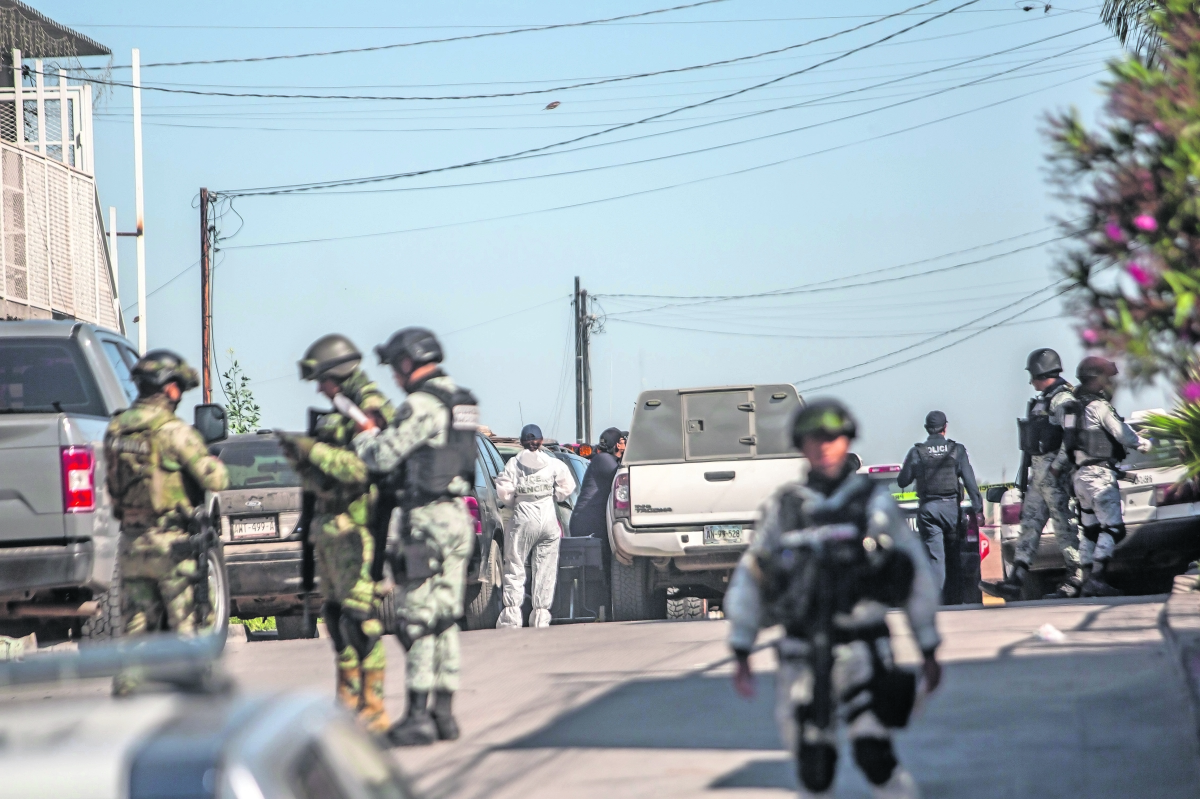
x=532 y=483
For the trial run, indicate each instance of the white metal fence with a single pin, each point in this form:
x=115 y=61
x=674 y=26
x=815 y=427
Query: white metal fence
x=52 y=242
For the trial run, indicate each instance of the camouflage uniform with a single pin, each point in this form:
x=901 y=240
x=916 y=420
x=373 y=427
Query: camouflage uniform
x=344 y=549
x=427 y=608
x=158 y=469
x=1049 y=496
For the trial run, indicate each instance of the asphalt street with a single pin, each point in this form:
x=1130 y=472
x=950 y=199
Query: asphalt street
x=645 y=709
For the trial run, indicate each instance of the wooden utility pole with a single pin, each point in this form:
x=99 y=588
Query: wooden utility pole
x=205 y=301
x=583 y=367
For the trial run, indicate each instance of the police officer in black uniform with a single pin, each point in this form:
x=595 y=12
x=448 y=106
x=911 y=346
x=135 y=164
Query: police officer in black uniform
x=938 y=465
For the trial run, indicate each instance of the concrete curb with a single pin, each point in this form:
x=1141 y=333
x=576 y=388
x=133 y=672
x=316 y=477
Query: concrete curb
x=1180 y=625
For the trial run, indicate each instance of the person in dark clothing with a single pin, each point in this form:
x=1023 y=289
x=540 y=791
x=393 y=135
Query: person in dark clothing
x=589 y=516
x=938 y=465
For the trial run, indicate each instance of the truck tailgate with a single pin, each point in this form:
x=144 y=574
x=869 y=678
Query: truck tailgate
x=709 y=492
x=31 y=505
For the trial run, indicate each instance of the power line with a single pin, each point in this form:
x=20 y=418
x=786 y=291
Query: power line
x=907 y=361
x=935 y=337
x=657 y=189
x=490 y=34
x=381 y=178
x=807 y=337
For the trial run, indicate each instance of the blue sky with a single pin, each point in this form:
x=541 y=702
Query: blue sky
x=850 y=191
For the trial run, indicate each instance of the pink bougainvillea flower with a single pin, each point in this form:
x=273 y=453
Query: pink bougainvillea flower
x=1143 y=276
x=1090 y=336
x=1145 y=222
x=1191 y=392
x=1114 y=232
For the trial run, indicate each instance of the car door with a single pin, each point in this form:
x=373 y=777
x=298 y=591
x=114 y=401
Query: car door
x=485 y=487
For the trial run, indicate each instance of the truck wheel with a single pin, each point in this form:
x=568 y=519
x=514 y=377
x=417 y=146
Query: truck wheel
x=685 y=608
x=107 y=623
x=632 y=598
x=218 y=595
x=485 y=597
x=292 y=627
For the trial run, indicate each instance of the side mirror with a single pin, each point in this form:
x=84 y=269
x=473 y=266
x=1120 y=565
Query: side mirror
x=996 y=493
x=855 y=461
x=212 y=422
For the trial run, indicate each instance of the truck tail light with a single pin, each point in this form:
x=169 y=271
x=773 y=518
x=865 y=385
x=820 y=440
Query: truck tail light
x=1174 y=493
x=972 y=527
x=78 y=480
x=1010 y=514
x=621 y=496
x=473 y=507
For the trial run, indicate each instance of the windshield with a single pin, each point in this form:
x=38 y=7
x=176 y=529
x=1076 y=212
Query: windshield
x=897 y=492
x=257 y=464
x=46 y=376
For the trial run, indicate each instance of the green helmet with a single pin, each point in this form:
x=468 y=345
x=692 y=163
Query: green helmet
x=827 y=416
x=158 y=367
x=332 y=357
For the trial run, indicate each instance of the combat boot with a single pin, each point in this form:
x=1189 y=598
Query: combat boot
x=1096 y=585
x=349 y=686
x=1008 y=589
x=1069 y=589
x=443 y=717
x=417 y=727
x=372 y=715
x=900 y=785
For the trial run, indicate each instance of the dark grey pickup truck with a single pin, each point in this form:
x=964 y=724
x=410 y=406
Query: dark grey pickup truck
x=60 y=381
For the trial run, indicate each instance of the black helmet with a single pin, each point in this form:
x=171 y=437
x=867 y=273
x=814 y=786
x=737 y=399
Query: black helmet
x=415 y=343
x=332 y=357
x=1043 y=363
x=1094 y=366
x=827 y=416
x=158 y=367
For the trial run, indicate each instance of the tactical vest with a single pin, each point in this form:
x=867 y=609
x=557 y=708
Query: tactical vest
x=938 y=478
x=430 y=470
x=1039 y=435
x=824 y=560
x=140 y=480
x=1096 y=443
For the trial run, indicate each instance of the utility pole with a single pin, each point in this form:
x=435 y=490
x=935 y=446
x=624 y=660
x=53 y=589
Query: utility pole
x=138 y=200
x=205 y=301
x=583 y=367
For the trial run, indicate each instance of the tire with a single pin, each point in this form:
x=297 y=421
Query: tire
x=218 y=594
x=484 y=598
x=632 y=599
x=387 y=613
x=290 y=628
x=685 y=608
x=108 y=623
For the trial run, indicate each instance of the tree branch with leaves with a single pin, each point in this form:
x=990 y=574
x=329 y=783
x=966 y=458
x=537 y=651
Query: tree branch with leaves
x=244 y=413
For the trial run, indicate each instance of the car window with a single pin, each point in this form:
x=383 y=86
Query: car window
x=572 y=464
x=46 y=376
x=486 y=457
x=898 y=493
x=116 y=357
x=257 y=464
x=1162 y=454
x=481 y=477
x=493 y=453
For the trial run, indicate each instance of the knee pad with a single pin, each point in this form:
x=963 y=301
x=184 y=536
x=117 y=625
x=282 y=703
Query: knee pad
x=332 y=614
x=876 y=759
x=1091 y=532
x=1117 y=531
x=816 y=764
x=893 y=694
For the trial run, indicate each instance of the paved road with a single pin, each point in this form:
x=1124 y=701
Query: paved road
x=646 y=710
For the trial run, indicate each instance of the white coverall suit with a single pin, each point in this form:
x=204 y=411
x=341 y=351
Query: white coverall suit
x=532 y=483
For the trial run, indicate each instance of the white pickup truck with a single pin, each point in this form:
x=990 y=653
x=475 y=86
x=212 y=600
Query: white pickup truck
x=699 y=463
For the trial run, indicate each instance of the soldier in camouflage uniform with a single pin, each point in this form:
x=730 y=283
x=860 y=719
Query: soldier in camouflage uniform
x=431 y=443
x=336 y=481
x=1049 y=494
x=158 y=470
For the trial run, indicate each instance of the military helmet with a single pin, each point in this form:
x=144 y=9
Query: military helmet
x=332 y=357
x=414 y=343
x=1043 y=362
x=828 y=416
x=158 y=367
x=1094 y=366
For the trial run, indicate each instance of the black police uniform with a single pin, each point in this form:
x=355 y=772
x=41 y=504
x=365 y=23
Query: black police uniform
x=937 y=465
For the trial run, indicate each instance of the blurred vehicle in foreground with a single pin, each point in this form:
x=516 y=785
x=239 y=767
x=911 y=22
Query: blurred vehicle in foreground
x=1162 y=523
x=199 y=740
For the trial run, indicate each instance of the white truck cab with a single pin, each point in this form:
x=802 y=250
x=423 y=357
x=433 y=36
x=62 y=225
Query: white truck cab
x=684 y=504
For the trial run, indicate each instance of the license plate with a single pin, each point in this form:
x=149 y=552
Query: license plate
x=722 y=534
x=254 y=527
